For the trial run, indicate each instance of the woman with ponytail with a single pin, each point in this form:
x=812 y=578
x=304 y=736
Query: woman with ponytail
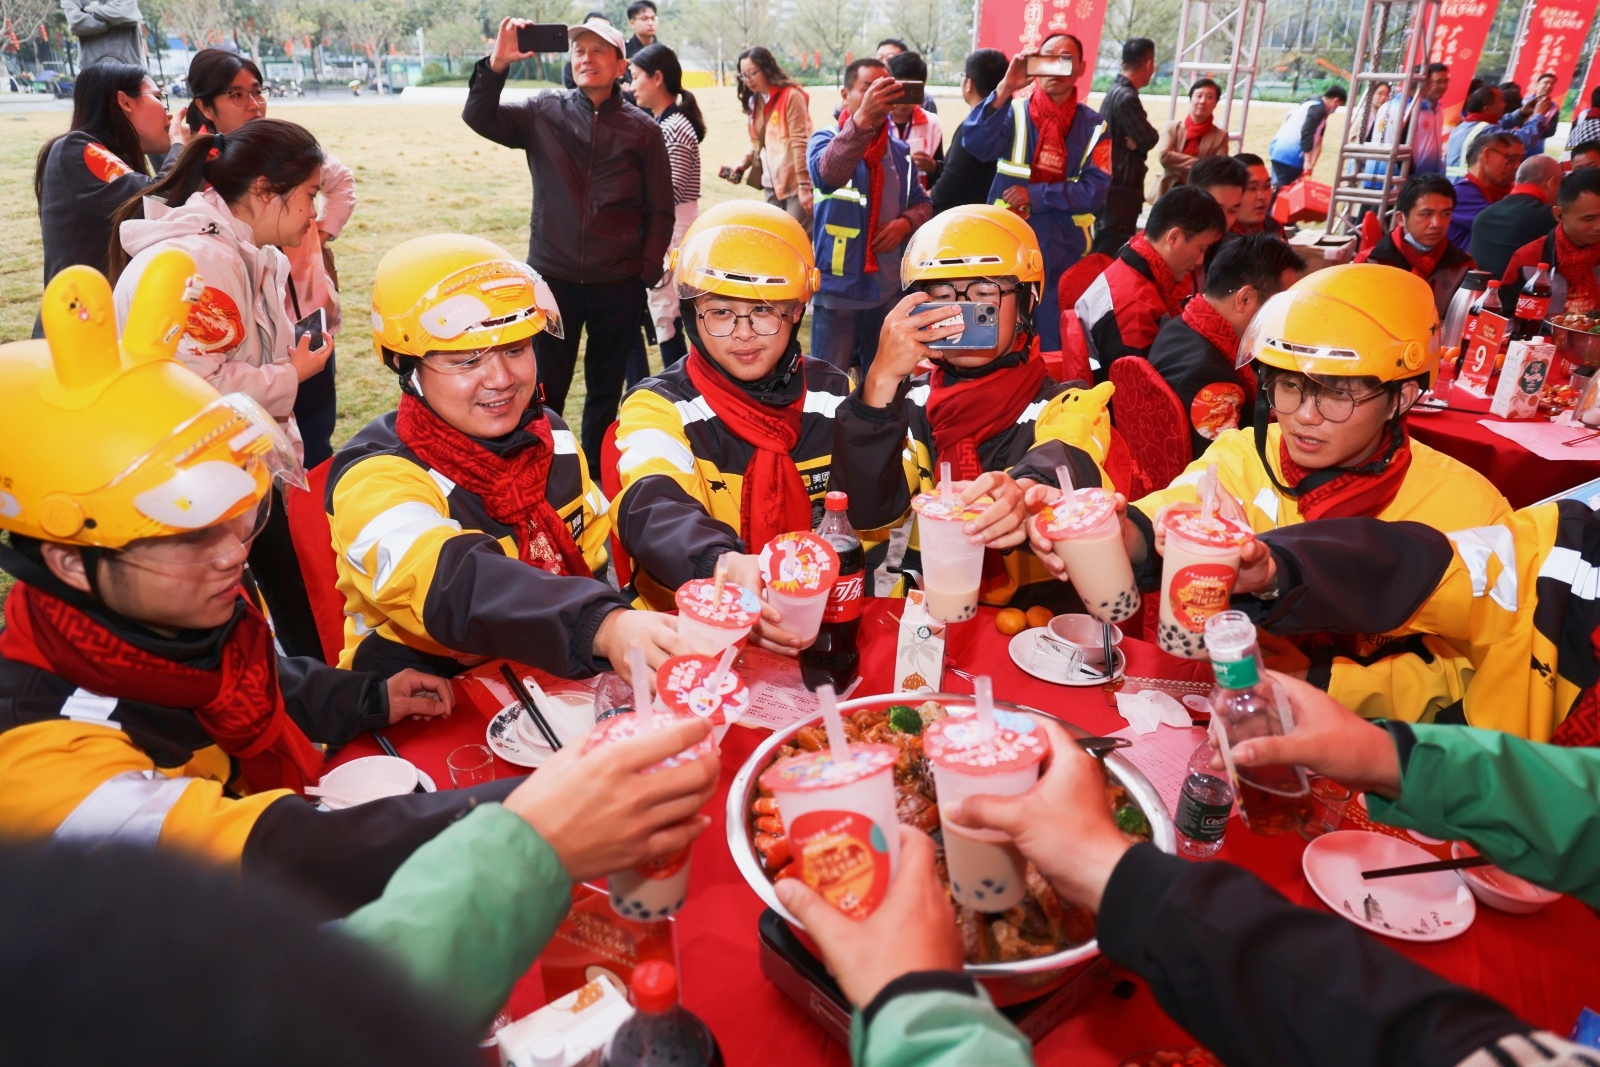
x=227 y=94
x=231 y=202
x=658 y=88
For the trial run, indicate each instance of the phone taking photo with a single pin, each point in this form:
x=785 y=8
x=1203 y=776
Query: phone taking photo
x=1050 y=67
x=315 y=325
x=980 y=323
x=542 y=37
x=911 y=93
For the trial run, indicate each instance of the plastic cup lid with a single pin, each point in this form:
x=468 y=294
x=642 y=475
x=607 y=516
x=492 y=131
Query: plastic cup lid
x=817 y=770
x=627 y=725
x=799 y=564
x=739 y=609
x=1215 y=532
x=681 y=685
x=958 y=742
x=1060 y=521
x=932 y=506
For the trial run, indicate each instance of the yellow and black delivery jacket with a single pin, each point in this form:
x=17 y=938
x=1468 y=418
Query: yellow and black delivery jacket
x=85 y=770
x=1520 y=598
x=682 y=472
x=886 y=456
x=1412 y=679
x=431 y=581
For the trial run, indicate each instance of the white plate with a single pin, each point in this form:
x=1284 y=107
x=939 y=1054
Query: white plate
x=1414 y=907
x=423 y=779
x=1021 y=649
x=1500 y=890
x=506 y=742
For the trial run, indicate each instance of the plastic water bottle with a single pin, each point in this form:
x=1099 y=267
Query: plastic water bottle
x=662 y=1032
x=1203 y=807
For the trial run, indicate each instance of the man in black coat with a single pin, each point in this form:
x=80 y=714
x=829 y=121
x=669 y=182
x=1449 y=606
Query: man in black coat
x=963 y=179
x=1132 y=138
x=1522 y=215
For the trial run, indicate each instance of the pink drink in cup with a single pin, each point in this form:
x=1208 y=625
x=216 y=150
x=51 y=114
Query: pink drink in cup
x=987 y=873
x=1087 y=536
x=840 y=820
x=651 y=891
x=799 y=570
x=952 y=566
x=711 y=625
x=682 y=685
x=1199 y=566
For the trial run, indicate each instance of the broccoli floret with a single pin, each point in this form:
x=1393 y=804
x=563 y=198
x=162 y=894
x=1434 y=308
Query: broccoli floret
x=1130 y=820
x=905 y=720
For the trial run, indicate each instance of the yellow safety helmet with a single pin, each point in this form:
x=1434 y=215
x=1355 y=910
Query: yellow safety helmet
x=974 y=241
x=1351 y=321
x=747 y=250
x=453 y=293
x=104 y=443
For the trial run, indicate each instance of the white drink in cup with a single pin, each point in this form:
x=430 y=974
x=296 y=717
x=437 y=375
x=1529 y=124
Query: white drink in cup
x=1087 y=536
x=799 y=569
x=651 y=891
x=952 y=566
x=710 y=625
x=841 y=824
x=987 y=873
x=683 y=685
x=1199 y=565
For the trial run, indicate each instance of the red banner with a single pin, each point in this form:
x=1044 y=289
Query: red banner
x=1591 y=78
x=1556 y=33
x=1458 y=41
x=1022 y=25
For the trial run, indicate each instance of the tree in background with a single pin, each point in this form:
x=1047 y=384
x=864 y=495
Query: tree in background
x=831 y=27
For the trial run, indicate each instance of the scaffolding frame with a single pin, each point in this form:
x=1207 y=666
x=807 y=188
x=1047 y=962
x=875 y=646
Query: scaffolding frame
x=1397 y=29
x=1217 y=37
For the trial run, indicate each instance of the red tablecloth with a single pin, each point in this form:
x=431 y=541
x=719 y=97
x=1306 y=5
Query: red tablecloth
x=1541 y=966
x=1523 y=477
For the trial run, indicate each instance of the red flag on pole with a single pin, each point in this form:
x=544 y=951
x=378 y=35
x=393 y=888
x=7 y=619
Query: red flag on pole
x=1556 y=33
x=1022 y=25
x=1458 y=41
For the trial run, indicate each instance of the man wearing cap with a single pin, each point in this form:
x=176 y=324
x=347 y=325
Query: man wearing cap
x=602 y=208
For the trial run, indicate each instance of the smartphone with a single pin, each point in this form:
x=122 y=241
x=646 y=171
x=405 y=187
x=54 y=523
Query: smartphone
x=1050 y=67
x=730 y=174
x=315 y=324
x=911 y=93
x=542 y=37
x=982 y=323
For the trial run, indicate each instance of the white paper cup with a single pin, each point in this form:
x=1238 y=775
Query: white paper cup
x=952 y=566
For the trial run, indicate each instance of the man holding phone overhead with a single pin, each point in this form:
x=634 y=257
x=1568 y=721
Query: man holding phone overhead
x=602 y=206
x=1054 y=160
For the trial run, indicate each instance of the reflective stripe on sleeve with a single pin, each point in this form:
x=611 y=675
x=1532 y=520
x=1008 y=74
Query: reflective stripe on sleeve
x=392 y=533
x=1476 y=546
x=125 y=809
x=642 y=446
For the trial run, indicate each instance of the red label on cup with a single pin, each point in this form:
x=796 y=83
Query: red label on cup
x=844 y=857
x=1199 y=592
x=663 y=867
x=844 y=599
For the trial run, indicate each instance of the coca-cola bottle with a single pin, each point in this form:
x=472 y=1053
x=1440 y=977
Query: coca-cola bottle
x=833 y=658
x=1488 y=300
x=662 y=1033
x=1533 y=304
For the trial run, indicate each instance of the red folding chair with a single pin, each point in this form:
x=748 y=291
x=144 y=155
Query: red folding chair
x=1074 y=362
x=1075 y=280
x=1152 y=421
x=611 y=486
x=313 y=547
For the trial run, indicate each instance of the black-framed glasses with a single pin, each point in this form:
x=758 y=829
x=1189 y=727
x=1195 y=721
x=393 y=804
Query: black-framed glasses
x=976 y=291
x=1288 y=394
x=765 y=321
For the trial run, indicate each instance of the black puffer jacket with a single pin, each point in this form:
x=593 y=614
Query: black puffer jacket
x=602 y=186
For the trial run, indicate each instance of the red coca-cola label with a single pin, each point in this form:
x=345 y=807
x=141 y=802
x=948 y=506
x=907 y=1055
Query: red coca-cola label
x=844 y=857
x=844 y=599
x=1532 y=307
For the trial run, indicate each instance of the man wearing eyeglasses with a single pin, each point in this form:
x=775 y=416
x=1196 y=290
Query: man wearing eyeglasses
x=1492 y=162
x=464 y=524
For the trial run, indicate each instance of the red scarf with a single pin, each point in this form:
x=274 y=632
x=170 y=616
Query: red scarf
x=512 y=488
x=1524 y=189
x=1477 y=116
x=1350 y=495
x=873 y=158
x=1053 y=121
x=1208 y=322
x=1577 y=266
x=1422 y=264
x=1492 y=193
x=775 y=500
x=1171 y=289
x=238 y=703
x=1194 y=132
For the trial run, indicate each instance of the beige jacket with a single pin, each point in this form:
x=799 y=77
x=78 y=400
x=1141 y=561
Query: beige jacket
x=780 y=141
x=1175 y=163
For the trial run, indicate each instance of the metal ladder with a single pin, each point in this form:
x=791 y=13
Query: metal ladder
x=1397 y=30
x=1220 y=37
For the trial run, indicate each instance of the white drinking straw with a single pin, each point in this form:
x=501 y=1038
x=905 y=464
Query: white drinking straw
x=983 y=693
x=714 y=679
x=946 y=494
x=1064 y=479
x=643 y=706
x=838 y=744
x=1208 y=492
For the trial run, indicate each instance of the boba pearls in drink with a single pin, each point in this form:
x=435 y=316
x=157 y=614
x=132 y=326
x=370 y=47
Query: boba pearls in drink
x=1199 y=566
x=655 y=890
x=1087 y=537
x=799 y=570
x=952 y=566
x=710 y=623
x=683 y=684
x=973 y=758
x=839 y=816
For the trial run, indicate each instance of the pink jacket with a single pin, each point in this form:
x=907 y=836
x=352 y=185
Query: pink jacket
x=312 y=286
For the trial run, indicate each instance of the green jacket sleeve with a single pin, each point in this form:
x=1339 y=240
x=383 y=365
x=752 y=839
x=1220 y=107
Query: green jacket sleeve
x=1534 y=809
x=937 y=1029
x=468 y=912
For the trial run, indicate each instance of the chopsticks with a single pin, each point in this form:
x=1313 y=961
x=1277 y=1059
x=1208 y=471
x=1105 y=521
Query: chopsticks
x=1581 y=439
x=1428 y=868
x=385 y=744
x=1110 y=649
x=530 y=709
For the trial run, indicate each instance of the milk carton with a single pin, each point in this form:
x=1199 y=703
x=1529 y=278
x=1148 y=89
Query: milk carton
x=1522 y=379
